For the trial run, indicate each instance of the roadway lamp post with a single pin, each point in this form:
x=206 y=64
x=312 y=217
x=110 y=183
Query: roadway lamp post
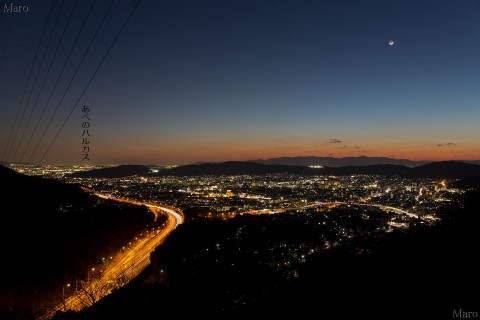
x=63 y=296
x=106 y=261
x=88 y=274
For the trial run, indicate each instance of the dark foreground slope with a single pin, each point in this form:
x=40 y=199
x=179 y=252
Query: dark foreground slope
x=50 y=234
x=230 y=269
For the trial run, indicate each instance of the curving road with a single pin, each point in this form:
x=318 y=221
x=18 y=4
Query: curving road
x=125 y=265
x=380 y=206
x=128 y=264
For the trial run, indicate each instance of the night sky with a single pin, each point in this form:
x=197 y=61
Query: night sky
x=200 y=80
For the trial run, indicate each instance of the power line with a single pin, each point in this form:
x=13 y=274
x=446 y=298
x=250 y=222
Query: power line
x=5 y=43
x=90 y=81
x=35 y=82
x=61 y=72
x=7 y=148
x=73 y=77
x=2 y=59
x=45 y=80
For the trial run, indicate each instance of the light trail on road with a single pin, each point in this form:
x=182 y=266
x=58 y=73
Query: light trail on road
x=125 y=265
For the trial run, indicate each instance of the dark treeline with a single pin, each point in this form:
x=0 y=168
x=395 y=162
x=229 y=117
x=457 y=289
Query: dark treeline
x=51 y=233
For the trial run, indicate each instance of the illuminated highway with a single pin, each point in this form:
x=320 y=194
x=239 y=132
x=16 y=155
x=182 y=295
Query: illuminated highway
x=124 y=266
x=335 y=203
x=128 y=263
x=380 y=206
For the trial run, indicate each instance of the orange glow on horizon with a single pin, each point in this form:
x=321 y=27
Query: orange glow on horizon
x=185 y=152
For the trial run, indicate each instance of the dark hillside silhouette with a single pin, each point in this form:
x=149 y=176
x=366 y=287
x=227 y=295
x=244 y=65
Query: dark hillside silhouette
x=51 y=233
x=426 y=271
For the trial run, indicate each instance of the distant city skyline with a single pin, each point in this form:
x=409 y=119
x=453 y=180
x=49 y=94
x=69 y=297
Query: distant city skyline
x=210 y=81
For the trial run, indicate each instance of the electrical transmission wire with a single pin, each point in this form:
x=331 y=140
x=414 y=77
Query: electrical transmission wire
x=2 y=63
x=61 y=72
x=5 y=44
x=8 y=148
x=71 y=80
x=35 y=81
x=45 y=80
x=90 y=81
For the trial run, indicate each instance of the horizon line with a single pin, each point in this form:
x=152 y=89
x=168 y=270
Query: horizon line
x=223 y=161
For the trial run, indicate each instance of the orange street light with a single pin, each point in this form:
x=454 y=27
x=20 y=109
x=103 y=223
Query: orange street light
x=63 y=295
x=88 y=274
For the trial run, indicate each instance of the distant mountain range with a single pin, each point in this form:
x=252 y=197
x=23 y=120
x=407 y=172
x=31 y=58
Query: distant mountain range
x=440 y=170
x=347 y=161
x=234 y=168
x=445 y=169
x=113 y=172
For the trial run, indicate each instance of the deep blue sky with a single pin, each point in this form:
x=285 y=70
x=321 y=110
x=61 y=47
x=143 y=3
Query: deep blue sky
x=235 y=80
